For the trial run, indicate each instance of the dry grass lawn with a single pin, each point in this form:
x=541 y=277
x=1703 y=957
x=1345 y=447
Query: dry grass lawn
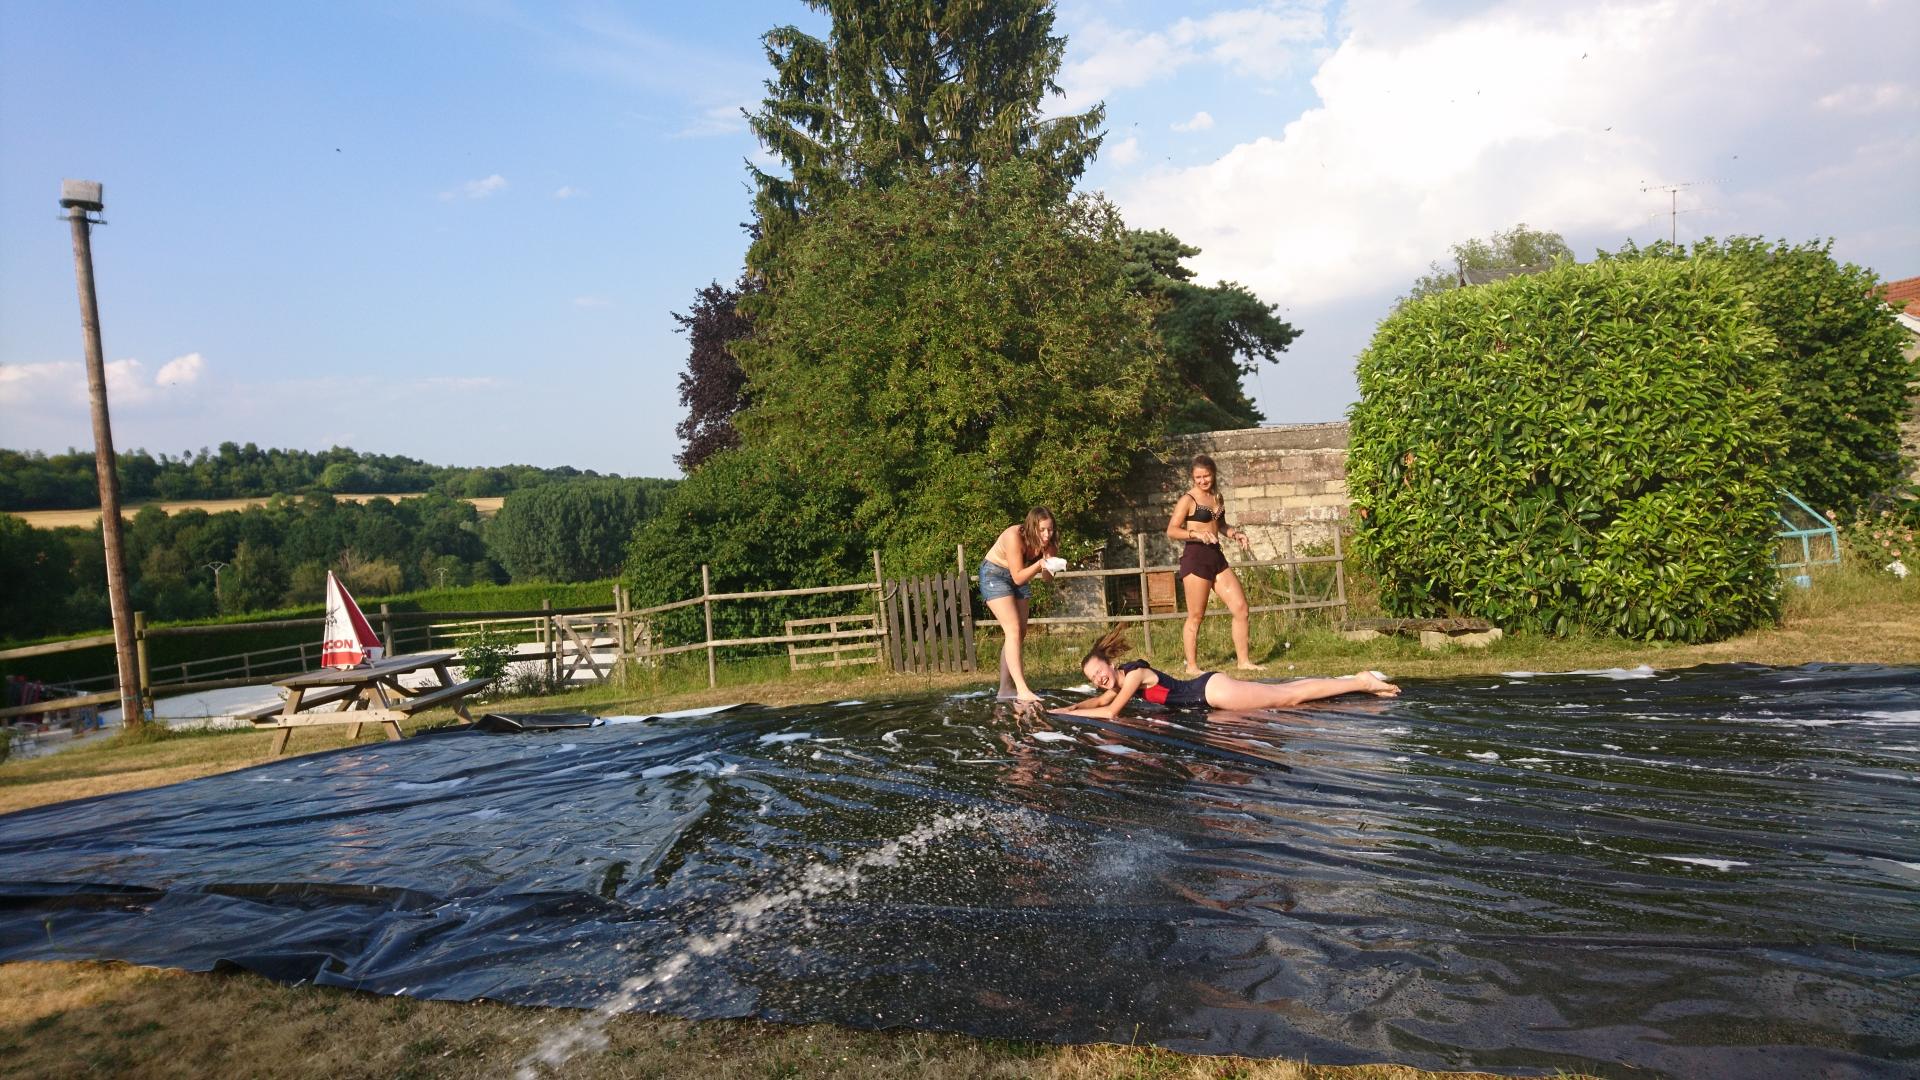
x=54 y=519
x=81 y=1019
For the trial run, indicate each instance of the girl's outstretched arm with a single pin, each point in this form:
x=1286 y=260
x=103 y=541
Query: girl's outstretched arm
x=1108 y=705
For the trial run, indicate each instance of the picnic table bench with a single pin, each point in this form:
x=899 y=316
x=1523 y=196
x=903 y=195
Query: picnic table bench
x=369 y=694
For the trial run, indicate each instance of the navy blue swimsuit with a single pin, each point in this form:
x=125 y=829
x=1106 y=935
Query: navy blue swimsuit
x=1169 y=691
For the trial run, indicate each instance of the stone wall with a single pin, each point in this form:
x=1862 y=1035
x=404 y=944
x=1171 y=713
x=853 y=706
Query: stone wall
x=1276 y=480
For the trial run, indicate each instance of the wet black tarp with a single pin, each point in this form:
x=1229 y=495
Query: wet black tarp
x=1711 y=872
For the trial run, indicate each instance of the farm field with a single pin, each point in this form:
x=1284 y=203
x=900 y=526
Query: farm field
x=55 y=519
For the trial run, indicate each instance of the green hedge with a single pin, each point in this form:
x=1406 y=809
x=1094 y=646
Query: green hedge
x=1846 y=386
x=165 y=651
x=1592 y=447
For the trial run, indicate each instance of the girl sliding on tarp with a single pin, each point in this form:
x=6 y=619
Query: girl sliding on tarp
x=1208 y=690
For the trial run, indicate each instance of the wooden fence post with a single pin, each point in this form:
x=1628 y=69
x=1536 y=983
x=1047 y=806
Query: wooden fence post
x=386 y=626
x=880 y=606
x=550 y=639
x=1339 y=570
x=1146 y=601
x=144 y=692
x=968 y=661
x=620 y=631
x=706 y=591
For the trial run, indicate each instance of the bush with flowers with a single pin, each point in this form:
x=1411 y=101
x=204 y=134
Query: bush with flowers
x=1886 y=540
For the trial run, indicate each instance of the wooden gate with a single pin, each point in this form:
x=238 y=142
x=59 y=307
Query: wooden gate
x=930 y=623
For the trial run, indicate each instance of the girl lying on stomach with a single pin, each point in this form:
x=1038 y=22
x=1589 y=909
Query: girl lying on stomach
x=1207 y=690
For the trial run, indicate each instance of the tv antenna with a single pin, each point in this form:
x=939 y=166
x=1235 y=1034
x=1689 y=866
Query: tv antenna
x=1673 y=205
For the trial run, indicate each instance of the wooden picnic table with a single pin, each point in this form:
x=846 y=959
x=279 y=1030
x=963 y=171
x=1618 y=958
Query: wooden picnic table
x=369 y=694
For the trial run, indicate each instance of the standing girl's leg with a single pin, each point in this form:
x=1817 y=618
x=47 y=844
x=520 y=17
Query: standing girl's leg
x=1230 y=591
x=1196 y=588
x=1227 y=692
x=1011 y=613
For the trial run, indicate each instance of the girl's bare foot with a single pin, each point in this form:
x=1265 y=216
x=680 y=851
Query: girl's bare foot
x=1375 y=683
x=1250 y=667
x=1028 y=696
x=1191 y=670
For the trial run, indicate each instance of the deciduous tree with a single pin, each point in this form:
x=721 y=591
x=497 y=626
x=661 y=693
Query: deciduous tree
x=1515 y=248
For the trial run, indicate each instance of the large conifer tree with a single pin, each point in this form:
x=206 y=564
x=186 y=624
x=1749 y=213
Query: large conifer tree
x=903 y=88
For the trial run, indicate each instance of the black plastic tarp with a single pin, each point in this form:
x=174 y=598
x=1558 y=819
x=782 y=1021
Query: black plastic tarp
x=1710 y=872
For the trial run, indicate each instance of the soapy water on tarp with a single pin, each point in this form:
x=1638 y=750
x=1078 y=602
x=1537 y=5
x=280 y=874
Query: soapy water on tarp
x=1705 y=873
x=741 y=919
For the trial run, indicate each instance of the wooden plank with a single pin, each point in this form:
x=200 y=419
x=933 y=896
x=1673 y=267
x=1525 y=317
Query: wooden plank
x=929 y=635
x=942 y=641
x=396 y=665
x=956 y=596
x=767 y=594
x=443 y=694
x=944 y=630
x=868 y=618
x=909 y=627
x=58 y=704
x=969 y=653
x=890 y=601
x=51 y=647
x=917 y=618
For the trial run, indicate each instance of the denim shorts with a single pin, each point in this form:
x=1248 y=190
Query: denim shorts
x=996 y=581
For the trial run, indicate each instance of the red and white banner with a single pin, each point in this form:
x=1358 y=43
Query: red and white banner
x=348 y=640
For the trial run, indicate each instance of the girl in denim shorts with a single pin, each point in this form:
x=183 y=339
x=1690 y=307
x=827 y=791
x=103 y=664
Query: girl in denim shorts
x=1017 y=556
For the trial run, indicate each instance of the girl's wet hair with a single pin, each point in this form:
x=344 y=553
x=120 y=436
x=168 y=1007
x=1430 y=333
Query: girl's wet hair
x=1112 y=644
x=1202 y=461
x=1030 y=528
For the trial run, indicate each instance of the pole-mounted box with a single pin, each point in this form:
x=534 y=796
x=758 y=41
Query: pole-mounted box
x=84 y=194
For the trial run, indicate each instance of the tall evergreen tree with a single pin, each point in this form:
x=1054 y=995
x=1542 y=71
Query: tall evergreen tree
x=1214 y=335
x=909 y=87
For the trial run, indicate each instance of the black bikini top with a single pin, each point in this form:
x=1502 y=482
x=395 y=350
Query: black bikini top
x=1200 y=513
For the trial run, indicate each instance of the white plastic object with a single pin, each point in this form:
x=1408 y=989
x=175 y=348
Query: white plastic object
x=1055 y=564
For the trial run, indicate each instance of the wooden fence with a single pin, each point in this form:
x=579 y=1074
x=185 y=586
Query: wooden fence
x=919 y=625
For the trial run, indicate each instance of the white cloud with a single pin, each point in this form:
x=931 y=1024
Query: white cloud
x=1124 y=152
x=1863 y=98
x=1433 y=129
x=1261 y=42
x=33 y=384
x=61 y=386
x=181 y=370
x=1201 y=121
x=591 y=301
x=477 y=189
x=569 y=192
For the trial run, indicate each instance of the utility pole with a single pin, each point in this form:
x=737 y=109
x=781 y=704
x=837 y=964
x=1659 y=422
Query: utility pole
x=79 y=198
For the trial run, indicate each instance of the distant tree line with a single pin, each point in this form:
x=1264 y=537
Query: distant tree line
x=30 y=480
x=278 y=554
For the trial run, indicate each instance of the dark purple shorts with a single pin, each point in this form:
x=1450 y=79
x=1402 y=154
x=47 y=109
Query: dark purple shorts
x=1204 y=561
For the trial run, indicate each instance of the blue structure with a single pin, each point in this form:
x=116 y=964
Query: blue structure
x=1807 y=533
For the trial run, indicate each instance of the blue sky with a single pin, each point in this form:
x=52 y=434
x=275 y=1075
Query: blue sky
x=455 y=230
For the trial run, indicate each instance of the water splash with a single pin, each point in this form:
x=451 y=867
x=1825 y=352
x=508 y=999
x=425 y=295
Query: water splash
x=738 y=920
